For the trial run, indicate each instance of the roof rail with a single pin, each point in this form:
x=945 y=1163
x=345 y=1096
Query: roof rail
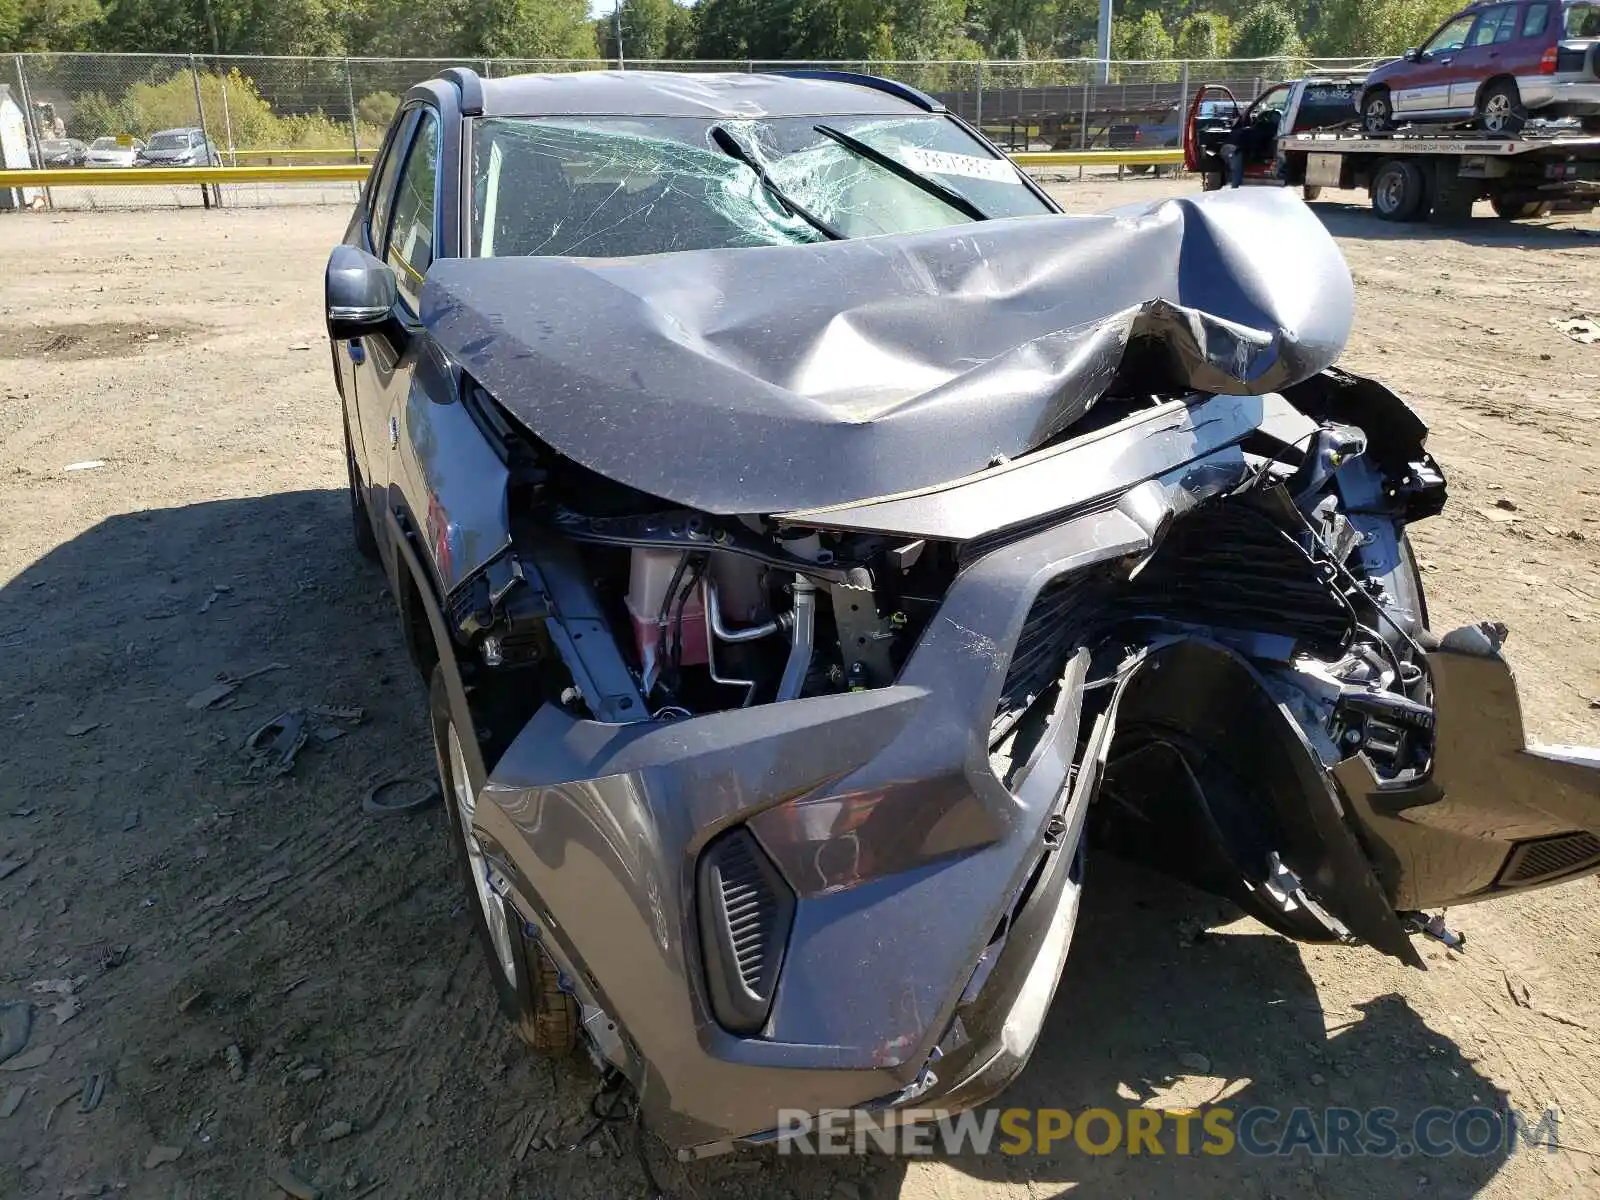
x=469 y=86
x=903 y=90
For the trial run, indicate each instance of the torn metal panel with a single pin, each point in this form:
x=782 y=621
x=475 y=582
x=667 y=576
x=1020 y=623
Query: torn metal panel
x=846 y=370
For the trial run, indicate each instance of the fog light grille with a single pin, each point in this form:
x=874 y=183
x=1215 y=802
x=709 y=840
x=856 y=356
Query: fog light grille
x=1550 y=858
x=746 y=909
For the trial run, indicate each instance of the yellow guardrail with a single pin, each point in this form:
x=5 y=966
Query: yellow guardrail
x=157 y=176
x=366 y=156
x=355 y=172
x=1098 y=158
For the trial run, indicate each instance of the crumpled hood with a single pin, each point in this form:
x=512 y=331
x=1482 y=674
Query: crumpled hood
x=765 y=379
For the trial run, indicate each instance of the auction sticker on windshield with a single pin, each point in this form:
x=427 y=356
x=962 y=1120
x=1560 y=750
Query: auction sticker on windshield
x=969 y=166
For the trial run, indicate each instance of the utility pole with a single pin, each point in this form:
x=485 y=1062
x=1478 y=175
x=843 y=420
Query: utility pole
x=616 y=16
x=1103 y=41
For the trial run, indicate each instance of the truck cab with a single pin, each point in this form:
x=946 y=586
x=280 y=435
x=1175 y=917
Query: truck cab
x=1295 y=106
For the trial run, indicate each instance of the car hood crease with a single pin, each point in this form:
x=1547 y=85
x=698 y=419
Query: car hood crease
x=774 y=378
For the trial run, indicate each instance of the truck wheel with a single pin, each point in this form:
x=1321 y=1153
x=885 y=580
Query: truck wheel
x=526 y=981
x=1211 y=181
x=1453 y=196
x=1138 y=168
x=1500 y=108
x=1399 y=191
x=1518 y=210
x=1311 y=192
x=1377 y=111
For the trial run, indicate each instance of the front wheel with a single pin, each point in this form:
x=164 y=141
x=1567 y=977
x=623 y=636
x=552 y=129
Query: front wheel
x=1500 y=108
x=527 y=983
x=1311 y=192
x=1211 y=181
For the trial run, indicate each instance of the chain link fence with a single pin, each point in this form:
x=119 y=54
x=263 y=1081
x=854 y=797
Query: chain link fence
x=97 y=109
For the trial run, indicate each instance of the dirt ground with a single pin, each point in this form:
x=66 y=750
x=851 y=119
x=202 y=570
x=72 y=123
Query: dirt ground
x=237 y=975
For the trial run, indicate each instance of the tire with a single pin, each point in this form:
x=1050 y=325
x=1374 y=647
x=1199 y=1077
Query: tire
x=526 y=982
x=1399 y=191
x=1500 y=108
x=1311 y=192
x=1211 y=181
x=1139 y=168
x=360 y=522
x=1377 y=111
x=1518 y=210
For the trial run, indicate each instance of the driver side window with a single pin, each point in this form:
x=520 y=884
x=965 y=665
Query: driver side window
x=1452 y=37
x=409 y=248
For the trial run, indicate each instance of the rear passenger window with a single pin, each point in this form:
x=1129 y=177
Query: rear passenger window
x=1495 y=25
x=1536 y=20
x=410 y=245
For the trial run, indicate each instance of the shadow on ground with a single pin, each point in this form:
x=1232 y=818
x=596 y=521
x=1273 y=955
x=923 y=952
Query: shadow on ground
x=270 y=980
x=1548 y=233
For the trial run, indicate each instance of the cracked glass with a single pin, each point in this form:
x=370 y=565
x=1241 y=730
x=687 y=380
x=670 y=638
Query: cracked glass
x=612 y=187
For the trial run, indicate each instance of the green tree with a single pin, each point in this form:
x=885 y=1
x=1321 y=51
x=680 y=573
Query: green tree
x=1266 y=31
x=1204 y=35
x=10 y=24
x=524 y=29
x=1371 y=28
x=926 y=28
x=1144 y=40
x=56 y=24
x=646 y=29
x=681 y=32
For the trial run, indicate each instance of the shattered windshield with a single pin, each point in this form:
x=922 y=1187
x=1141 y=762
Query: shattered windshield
x=609 y=187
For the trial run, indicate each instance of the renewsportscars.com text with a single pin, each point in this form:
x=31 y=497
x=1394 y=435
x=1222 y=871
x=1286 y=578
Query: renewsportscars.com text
x=1257 y=1131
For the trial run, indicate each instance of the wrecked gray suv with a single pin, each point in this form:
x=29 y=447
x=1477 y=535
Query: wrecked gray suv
x=813 y=540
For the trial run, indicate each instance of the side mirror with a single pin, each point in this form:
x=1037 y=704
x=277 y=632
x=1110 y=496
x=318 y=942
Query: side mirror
x=360 y=293
x=1412 y=55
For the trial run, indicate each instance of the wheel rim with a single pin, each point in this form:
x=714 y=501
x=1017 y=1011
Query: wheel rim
x=494 y=913
x=1496 y=112
x=1377 y=111
x=1391 y=188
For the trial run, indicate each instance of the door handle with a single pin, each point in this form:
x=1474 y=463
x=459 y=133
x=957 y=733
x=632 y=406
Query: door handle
x=358 y=352
x=1446 y=61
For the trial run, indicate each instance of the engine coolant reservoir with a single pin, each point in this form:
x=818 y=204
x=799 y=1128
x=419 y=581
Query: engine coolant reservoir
x=649 y=576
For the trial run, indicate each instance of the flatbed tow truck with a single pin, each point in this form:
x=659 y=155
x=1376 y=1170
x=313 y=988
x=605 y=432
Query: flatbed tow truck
x=1305 y=133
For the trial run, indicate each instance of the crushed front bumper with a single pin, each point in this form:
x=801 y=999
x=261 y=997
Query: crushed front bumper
x=932 y=904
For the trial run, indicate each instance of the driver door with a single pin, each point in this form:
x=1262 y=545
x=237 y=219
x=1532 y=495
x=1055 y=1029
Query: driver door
x=1425 y=88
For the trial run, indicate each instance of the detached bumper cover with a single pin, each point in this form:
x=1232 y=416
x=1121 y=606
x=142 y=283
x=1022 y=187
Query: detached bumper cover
x=1495 y=814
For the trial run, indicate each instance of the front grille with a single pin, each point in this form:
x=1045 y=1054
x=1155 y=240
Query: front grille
x=1226 y=567
x=1054 y=628
x=1232 y=567
x=1550 y=858
x=745 y=912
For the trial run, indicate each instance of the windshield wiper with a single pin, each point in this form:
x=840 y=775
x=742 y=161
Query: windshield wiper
x=932 y=186
x=730 y=146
